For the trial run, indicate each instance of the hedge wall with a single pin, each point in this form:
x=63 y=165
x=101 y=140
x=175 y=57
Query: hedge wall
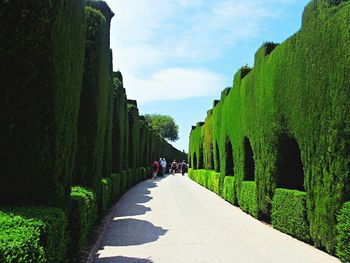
x=289 y=213
x=94 y=104
x=296 y=95
x=39 y=40
x=65 y=118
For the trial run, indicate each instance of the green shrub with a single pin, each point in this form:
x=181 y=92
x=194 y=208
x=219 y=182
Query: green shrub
x=247 y=198
x=51 y=226
x=289 y=213
x=20 y=240
x=82 y=216
x=213 y=181
x=229 y=190
x=116 y=185
x=106 y=194
x=343 y=237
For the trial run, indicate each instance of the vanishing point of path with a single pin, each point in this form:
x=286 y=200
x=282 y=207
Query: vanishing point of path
x=176 y=220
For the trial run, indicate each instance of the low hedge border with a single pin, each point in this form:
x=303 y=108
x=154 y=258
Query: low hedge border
x=343 y=237
x=20 y=240
x=289 y=213
x=213 y=181
x=83 y=215
x=247 y=198
x=33 y=234
x=229 y=190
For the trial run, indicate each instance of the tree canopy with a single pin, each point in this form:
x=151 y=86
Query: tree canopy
x=164 y=125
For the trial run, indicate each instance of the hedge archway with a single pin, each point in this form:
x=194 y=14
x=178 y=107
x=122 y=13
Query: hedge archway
x=249 y=164
x=290 y=172
x=229 y=162
x=217 y=157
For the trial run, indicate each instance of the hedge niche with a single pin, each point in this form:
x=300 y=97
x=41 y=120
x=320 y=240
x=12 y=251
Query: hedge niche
x=287 y=119
x=39 y=40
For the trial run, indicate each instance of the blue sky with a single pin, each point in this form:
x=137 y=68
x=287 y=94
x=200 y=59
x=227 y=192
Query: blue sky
x=177 y=55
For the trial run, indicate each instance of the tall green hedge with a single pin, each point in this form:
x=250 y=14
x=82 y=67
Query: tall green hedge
x=297 y=91
x=93 y=114
x=39 y=41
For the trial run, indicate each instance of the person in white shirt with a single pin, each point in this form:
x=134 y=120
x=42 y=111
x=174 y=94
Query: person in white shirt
x=163 y=166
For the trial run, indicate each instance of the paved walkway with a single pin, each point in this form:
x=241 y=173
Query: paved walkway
x=176 y=220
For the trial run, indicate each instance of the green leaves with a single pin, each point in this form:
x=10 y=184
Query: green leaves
x=289 y=213
x=164 y=125
x=343 y=238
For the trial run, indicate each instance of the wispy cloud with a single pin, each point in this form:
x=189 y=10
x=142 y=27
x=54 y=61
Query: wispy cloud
x=159 y=44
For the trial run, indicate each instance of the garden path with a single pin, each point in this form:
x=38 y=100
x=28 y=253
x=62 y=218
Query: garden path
x=174 y=219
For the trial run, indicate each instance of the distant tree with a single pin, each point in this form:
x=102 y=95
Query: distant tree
x=164 y=125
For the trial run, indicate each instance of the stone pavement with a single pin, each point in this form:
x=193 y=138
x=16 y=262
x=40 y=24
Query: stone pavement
x=176 y=220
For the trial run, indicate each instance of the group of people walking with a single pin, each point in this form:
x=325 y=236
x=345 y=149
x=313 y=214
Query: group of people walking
x=160 y=167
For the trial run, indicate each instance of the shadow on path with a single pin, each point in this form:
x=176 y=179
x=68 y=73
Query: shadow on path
x=131 y=232
x=120 y=259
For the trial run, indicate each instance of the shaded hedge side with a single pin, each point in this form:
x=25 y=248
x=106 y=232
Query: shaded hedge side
x=39 y=101
x=298 y=90
x=65 y=119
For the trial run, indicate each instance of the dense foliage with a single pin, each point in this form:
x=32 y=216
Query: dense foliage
x=82 y=217
x=39 y=41
x=49 y=224
x=343 y=238
x=164 y=125
x=289 y=213
x=291 y=110
x=65 y=118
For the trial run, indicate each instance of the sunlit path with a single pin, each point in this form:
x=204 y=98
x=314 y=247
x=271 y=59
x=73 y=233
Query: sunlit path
x=176 y=220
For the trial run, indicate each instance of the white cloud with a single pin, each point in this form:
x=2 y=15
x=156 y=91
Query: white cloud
x=174 y=84
x=160 y=44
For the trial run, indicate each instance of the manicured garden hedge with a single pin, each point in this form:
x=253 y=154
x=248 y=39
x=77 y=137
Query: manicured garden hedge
x=83 y=215
x=297 y=94
x=289 y=213
x=343 y=238
x=39 y=41
x=20 y=240
x=33 y=232
x=247 y=198
x=65 y=118
x=229 y=193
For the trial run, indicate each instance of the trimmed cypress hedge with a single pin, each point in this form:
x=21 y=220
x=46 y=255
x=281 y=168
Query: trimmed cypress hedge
x=229 y=193
x=47 y=224
x=83 y=215
x=289 y=213
x=93 y=107
x=296 y=94
x=39 y=41
x=247 y=199
x=343 y=237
